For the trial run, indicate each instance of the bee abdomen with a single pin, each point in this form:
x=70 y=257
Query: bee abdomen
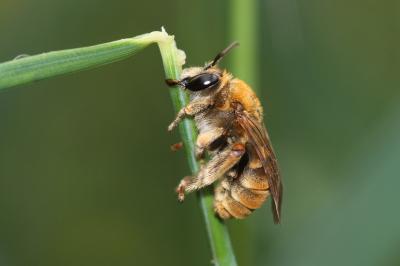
x=254 y=179
x=239 y=197
x=226 y=207
x=235 y=208
x=252 y=199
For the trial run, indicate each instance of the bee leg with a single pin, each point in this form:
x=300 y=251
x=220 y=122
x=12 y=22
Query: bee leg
x=213 y=170
x=231 y=174
x=205 y=139
x=180 y=190
x=191 y=109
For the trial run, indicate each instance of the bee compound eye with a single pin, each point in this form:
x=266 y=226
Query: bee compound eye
x=202 y=81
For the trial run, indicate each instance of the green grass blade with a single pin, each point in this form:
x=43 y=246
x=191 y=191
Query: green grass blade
x=221 y=247
x=217 y=232
x=46 y=65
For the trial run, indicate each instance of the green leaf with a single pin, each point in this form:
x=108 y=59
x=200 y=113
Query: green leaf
x=46 y=65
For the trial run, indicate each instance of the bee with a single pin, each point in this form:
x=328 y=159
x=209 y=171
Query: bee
x=229 y=118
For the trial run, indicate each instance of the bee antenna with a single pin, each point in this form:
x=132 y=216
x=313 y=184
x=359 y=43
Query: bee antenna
x=221 y=54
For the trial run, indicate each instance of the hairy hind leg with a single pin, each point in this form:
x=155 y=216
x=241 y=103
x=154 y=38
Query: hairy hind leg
x=212 y=171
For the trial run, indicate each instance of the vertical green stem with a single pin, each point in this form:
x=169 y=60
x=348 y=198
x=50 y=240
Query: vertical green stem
x=221 y=247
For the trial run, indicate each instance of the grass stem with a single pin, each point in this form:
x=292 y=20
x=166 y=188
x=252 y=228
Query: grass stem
x=218 y=235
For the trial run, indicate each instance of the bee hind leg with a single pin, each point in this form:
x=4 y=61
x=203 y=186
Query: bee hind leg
x=212 y=171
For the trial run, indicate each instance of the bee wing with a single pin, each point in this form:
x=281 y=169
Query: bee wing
x=258 y=137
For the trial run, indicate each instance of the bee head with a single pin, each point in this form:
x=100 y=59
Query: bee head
x=198 y=78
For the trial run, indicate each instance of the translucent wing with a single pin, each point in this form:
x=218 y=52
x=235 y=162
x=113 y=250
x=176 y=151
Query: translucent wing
x=258 y=137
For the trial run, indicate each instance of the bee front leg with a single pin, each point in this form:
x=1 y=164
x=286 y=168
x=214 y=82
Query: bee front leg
x=181 y=114
x=191 y=109
x=212 y=171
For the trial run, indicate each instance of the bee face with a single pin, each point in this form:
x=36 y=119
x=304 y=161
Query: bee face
x=200 y=81
x=197 y=79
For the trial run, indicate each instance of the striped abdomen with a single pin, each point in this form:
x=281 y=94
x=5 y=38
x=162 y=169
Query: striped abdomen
x=237 y=197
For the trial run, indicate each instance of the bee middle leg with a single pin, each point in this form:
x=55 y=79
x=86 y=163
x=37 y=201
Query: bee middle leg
x=205 y=139
x=213 y=170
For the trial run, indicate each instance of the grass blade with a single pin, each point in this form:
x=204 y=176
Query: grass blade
x=217 y=232
x=46 y=65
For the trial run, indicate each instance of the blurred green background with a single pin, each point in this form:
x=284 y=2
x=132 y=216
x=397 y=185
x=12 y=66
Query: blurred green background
x=86 y=174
